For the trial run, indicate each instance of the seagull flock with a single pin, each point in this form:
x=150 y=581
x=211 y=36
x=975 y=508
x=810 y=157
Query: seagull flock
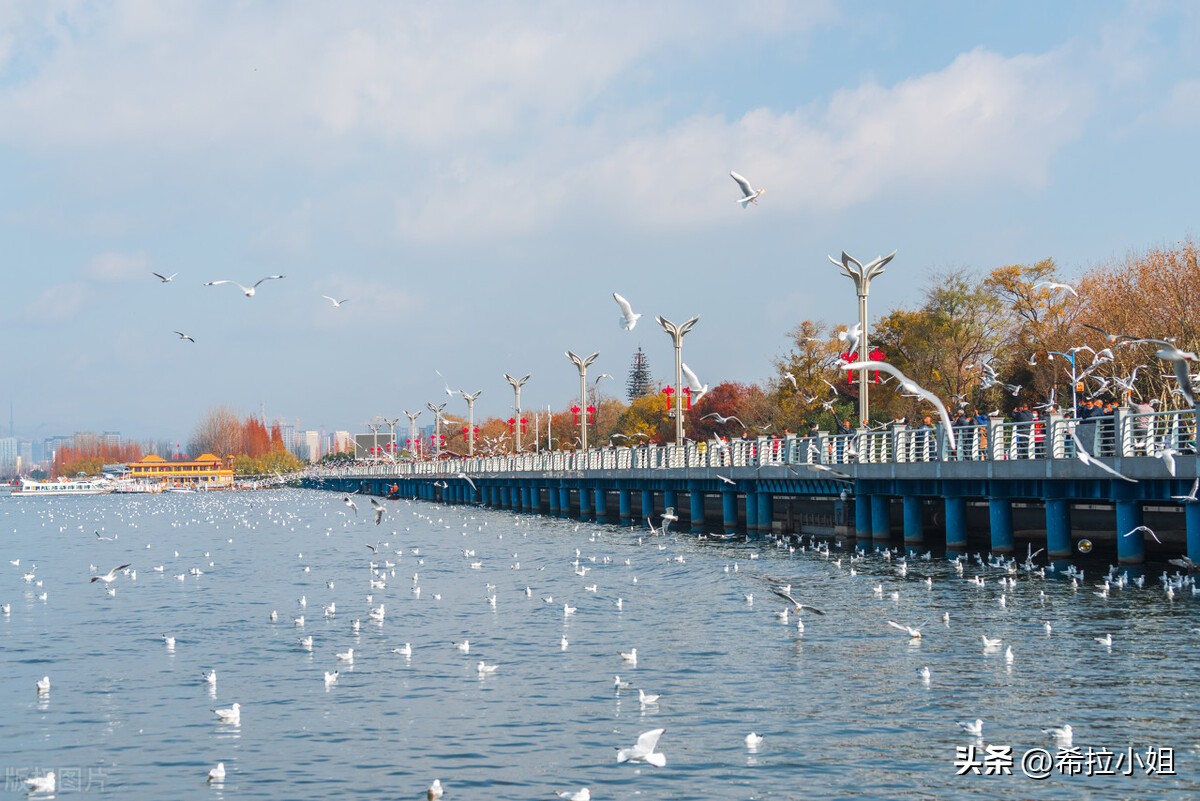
x=517 y=609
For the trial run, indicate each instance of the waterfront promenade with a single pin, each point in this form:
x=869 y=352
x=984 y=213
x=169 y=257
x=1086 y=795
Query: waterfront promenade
x=1132 y=470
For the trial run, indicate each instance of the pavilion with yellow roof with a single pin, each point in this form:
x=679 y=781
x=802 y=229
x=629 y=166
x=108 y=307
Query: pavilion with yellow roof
x=206 y=471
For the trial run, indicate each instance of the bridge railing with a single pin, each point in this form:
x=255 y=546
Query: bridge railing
x=1123 y=433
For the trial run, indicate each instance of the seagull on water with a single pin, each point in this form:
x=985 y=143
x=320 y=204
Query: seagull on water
x=217 y=774
x=231 y=715
x=629 y=656
x=435 y=790
x=110 y=576
x=974 y=728
x=753 y=740
x=185 y=336
x=646 y=700
x=583 y=794
x=484 y=668
x=628 y=317
x=643 y=750
x=1106 y=640
x=749 y=193
x=43 y=685
x=248 y=291
x=331 y=678
x=42 y=784
x=1063 y=734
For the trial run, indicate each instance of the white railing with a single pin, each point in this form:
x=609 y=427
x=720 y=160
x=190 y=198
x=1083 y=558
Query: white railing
x=1121 y=434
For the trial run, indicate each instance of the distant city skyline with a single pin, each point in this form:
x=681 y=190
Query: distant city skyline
x=475 y=180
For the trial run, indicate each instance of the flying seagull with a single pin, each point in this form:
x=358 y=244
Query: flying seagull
x=799 y=606
x=1146 y=529
x=914 y=633
x=166 y=279
x=908 y=385
x=185 y=336
x=337 y=304
x=1090 y=460
x=110 y=576
x=1191 y=496
x=721 y=420
x=698 y=390
x=467 y=479
x=351 y=504
x=749 y=193
x=643 y=750
x=248 y=291
x=629 y=318
x=1053 y=285
x=379 y=510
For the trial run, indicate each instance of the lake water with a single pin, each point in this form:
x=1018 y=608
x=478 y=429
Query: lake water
x=841 y=707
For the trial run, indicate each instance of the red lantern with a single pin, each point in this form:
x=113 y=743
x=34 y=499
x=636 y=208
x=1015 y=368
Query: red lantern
x=850 y=357
x=669 y=392
x=876 y=355
x=575 y=410
x=524 y=425
x=687 y=398
x=512 y=424
x=591 y=410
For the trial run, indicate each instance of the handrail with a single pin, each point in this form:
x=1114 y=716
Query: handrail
x=1123 y=433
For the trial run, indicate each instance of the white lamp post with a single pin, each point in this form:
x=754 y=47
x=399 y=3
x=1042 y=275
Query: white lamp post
x=517 y=383
x=413 y=444
x=677 y=333
x=861 y=274
x=582 y=364
x=470 y=399
x=437 y=428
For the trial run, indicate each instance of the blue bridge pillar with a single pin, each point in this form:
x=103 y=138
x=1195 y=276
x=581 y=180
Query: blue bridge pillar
x=624 y=507
x=751 y=511
x=669 y=499
x=1000 y=518
x=601 y=506
x=647 y=508
x=862 y=516
x=881 y=528
x=766 y=512
x=528 y=493
x=695 y=506
x=1058 y=527
x=506 y=497
x=956 y=523
x=585 y=504
x=564 y=501
x=552 y=497
x=914 y=524
x=729 y=510
x=1131 y=550
x=1191 y=517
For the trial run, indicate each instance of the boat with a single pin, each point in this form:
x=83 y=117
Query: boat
x=123 y=486
x=82 y=486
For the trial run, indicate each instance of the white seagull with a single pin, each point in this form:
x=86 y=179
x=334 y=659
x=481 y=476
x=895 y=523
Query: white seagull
x=914 y=633
x=643 y=750
x=646 y=700
x=1063 y=734
x=799 y=606
x=248 y=291
x=974 y=728
x=583 y=794
x=908 y=385
x=753 y=740
x=351 y=504
x=1191 y=496
x=337 y=304
x=1146 y=529
x=110 y=576
x=166 y=279
x=628 y=317
x=43 y=685
x=749 y=193
x=379 y=510
x=42 y=784
x=185 y=336
x=217 y=774
x=698 y=390
x=231 y=715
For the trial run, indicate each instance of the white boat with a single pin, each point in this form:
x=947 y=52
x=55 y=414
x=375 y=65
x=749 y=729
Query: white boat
x=62 y=487
x=123 y=486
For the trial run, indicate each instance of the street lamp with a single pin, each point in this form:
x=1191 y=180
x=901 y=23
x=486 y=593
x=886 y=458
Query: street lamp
x=391 y=424
x=437 y=428
x=677 y=332
x=375 y=443
x=470 y=399
x=517 y=383
x=412 y=432
x=582 y=364
x=861 y=274
x=1070 y=357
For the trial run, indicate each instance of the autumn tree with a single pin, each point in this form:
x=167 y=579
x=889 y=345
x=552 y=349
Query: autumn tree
x=219 y=432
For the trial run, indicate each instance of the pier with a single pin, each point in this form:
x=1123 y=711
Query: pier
x=1002 y=483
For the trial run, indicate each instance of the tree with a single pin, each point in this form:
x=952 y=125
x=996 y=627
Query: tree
x=219 y=432
x=639 y=384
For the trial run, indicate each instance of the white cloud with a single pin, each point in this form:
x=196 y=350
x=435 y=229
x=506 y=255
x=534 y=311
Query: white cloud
x=114 y=267
x=56 y=304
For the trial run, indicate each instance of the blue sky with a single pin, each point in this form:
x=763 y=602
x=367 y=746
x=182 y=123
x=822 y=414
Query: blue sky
x=479 y=178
